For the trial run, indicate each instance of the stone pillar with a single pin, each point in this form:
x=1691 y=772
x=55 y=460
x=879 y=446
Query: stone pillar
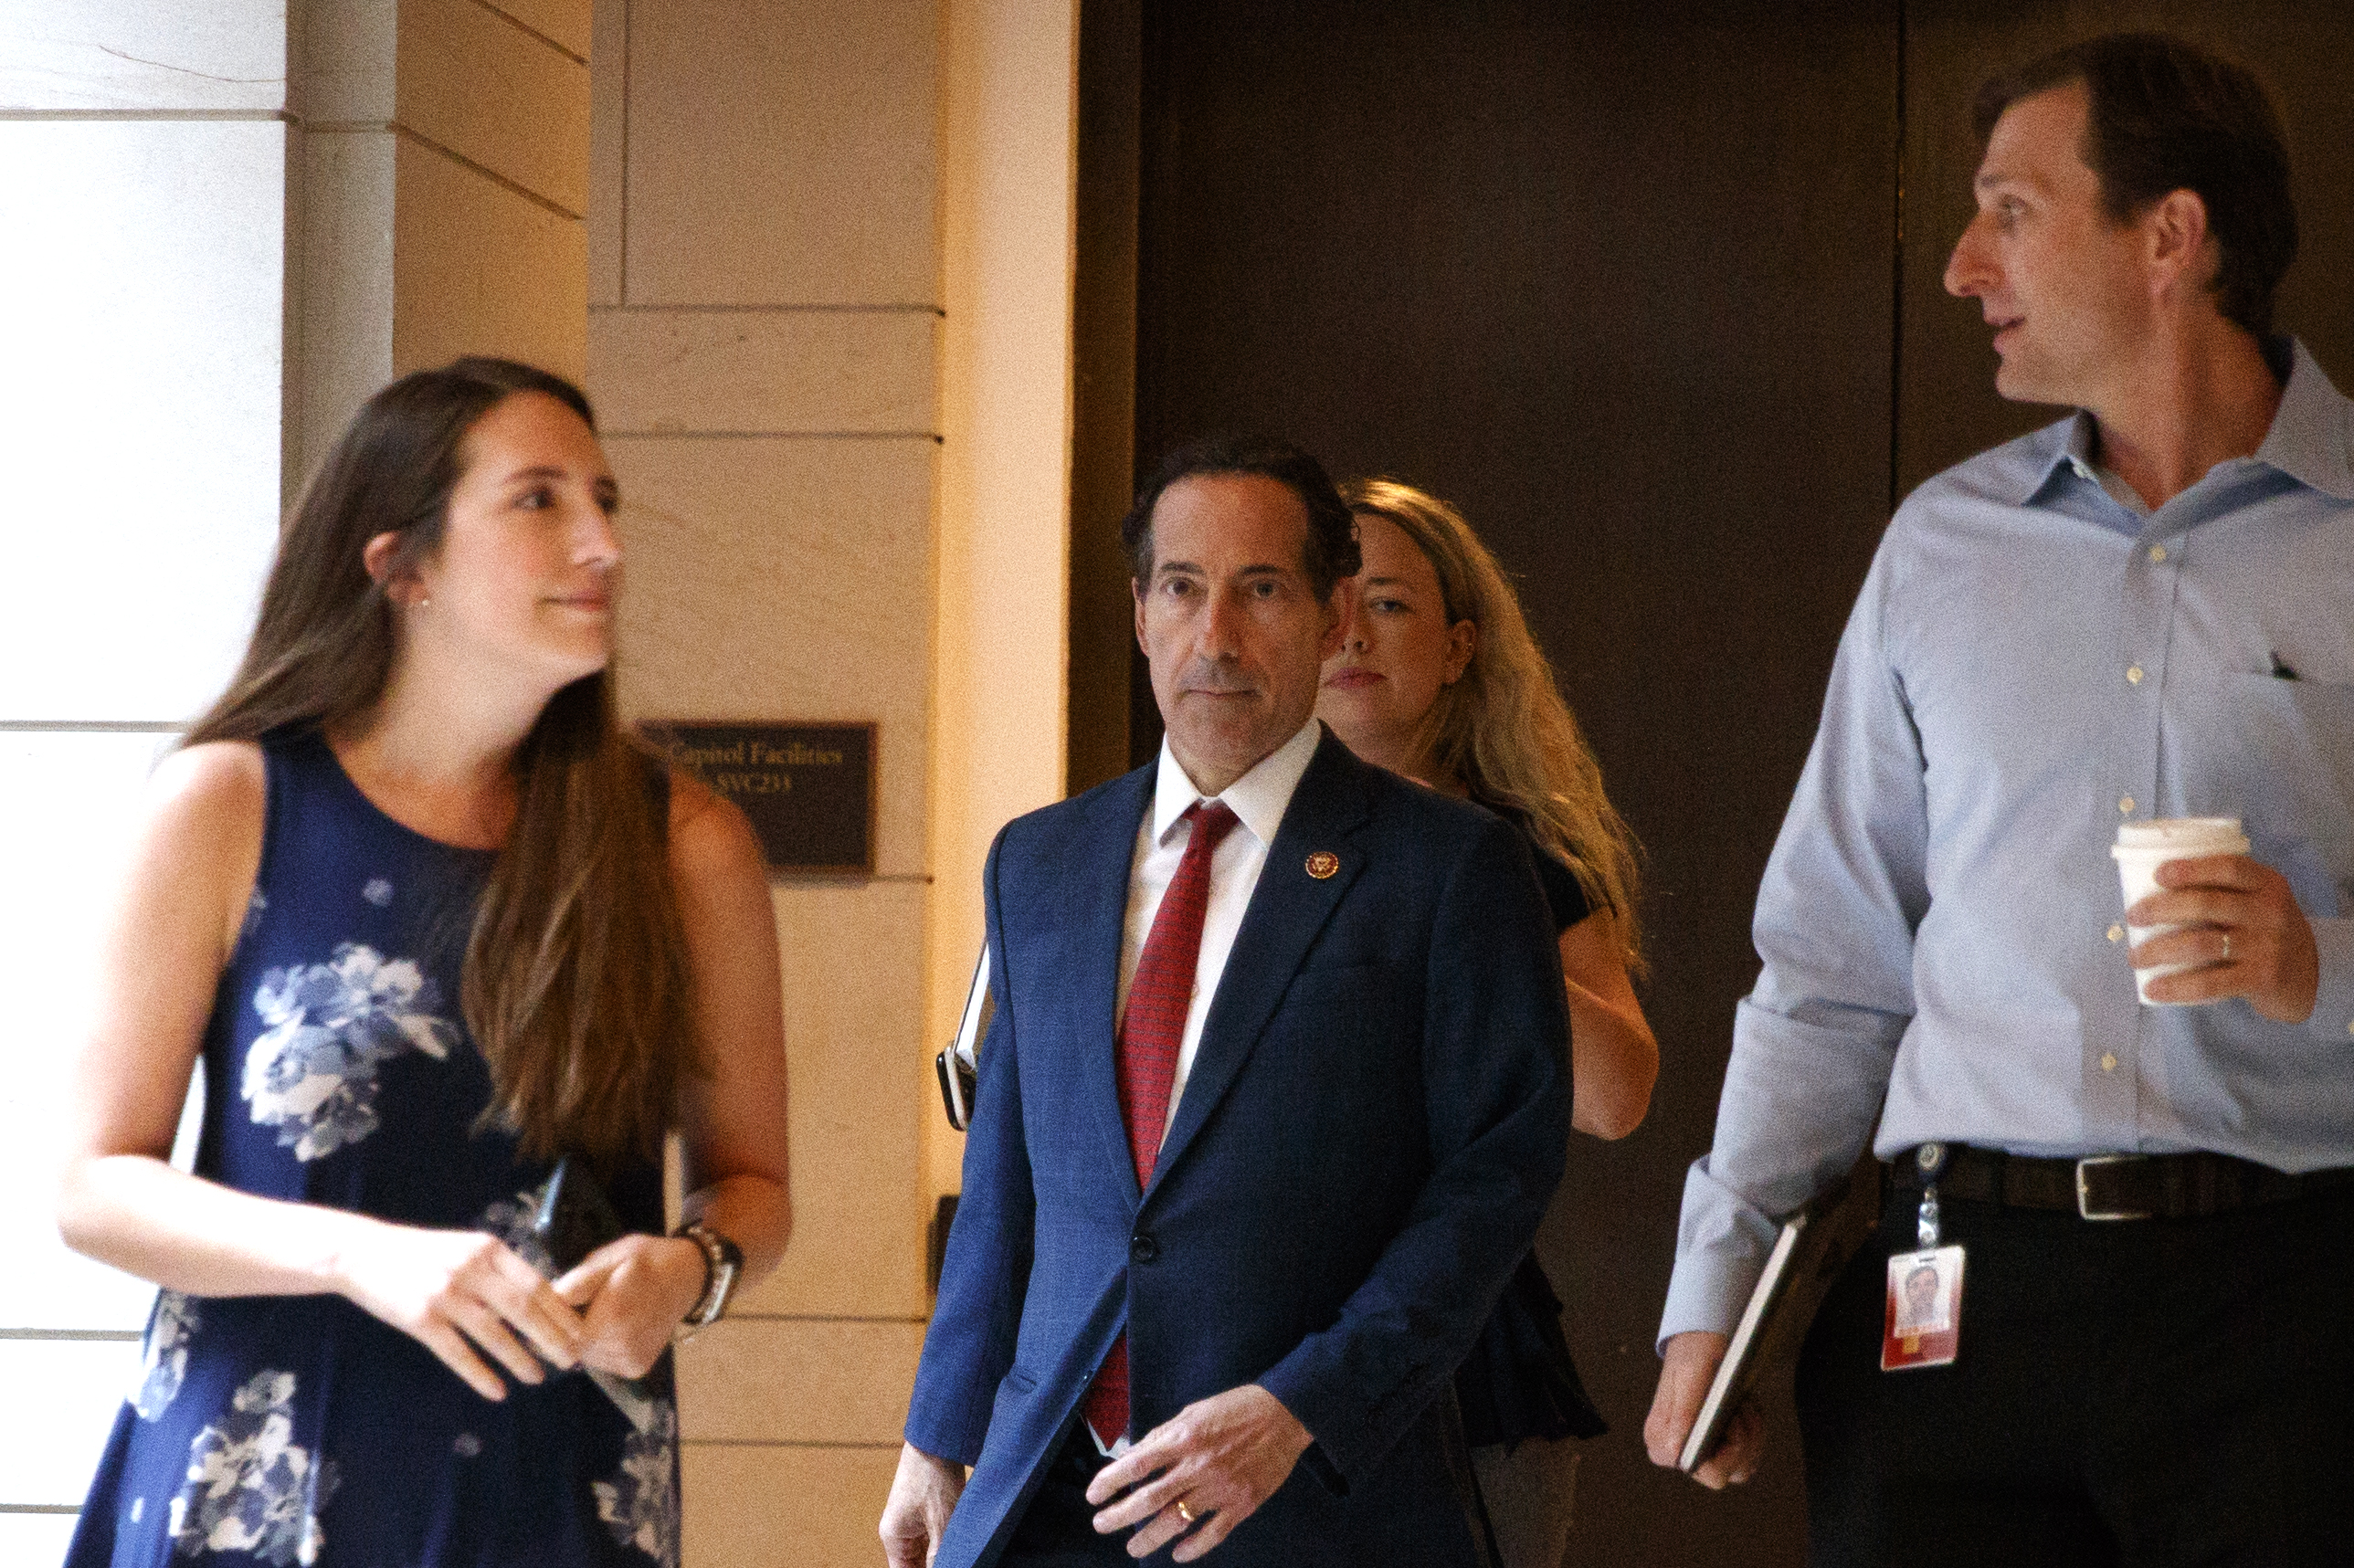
x=829 y=340
x=763 y=325
x=443 y=176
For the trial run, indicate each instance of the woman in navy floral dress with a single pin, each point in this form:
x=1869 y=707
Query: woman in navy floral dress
x=429 y=921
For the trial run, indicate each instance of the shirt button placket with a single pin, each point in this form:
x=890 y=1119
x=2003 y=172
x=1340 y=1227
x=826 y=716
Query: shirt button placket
x=2148 y=585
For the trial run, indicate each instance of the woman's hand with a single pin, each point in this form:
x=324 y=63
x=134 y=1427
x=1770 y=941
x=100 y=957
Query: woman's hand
x=456 y=1292
x=632 y=1295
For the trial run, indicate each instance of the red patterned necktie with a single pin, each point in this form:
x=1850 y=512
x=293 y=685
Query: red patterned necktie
x=1159 y=997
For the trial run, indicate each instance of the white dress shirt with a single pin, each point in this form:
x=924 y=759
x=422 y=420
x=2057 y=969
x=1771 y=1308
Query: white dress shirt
x=1258 y=800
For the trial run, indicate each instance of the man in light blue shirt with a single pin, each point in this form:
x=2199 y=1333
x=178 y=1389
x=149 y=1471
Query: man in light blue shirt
x=2144 y=611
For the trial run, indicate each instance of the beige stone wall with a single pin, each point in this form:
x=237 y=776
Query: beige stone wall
x=441 y=183
x=1009 y=194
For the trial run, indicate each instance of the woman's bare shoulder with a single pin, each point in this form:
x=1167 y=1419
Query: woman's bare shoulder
x=198 y=841
x=217 y=786
x=709 y=835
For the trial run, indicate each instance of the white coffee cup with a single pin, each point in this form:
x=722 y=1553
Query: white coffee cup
x=2141 y=848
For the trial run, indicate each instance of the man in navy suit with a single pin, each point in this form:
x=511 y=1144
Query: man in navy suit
x=1275 y=1092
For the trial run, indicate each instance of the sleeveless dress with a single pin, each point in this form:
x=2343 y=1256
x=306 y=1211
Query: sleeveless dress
x=299 y=1429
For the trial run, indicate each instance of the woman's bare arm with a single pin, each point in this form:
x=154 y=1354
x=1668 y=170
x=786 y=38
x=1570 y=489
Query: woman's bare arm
x=1613 y=1059
x=732 y=1122
x=178 y=903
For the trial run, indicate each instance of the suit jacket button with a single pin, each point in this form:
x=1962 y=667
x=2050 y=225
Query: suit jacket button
x=1144 y=1248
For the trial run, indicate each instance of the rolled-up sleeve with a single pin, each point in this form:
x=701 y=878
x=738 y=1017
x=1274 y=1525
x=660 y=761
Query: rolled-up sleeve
x=1813 y=1045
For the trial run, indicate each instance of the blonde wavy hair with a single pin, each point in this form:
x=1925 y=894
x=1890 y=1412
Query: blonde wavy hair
x=1502 y=727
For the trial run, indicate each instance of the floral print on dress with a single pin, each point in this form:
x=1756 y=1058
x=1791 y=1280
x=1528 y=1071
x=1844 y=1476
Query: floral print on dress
x=377 y=891
x=165 y=1364
x=639 y=1505
x=250 y=1487
x=313 y=1075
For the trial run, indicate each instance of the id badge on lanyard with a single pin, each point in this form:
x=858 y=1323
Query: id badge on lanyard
x=1924 y=1322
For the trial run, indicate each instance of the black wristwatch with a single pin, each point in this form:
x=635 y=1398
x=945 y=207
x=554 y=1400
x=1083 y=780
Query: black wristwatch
x=722 y=1260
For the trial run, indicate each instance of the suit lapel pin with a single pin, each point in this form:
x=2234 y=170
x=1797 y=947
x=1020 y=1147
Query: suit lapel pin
x=1322 y=863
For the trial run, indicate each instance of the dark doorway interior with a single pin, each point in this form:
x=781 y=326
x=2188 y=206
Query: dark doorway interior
x=1651 y=291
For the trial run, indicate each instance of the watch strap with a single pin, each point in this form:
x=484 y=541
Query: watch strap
x=722 y=1260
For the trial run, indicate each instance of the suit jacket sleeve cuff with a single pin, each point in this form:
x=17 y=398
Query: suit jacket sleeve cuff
x=957 y=1442
x=1319 y=1415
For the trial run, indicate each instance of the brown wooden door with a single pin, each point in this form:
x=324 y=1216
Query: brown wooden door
x=1625 y=281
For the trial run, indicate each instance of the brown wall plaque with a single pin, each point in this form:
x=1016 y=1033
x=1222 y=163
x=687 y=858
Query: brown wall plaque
x=809 y=789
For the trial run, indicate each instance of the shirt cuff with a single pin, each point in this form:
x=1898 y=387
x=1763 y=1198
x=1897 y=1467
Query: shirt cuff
x=1721 y=1245
x=2333 y=1005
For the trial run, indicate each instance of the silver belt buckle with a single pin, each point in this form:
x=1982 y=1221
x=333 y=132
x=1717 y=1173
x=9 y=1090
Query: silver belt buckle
x=2085 y=1209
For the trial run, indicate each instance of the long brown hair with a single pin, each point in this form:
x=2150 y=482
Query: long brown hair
x=1502 y=727
x=576 y=980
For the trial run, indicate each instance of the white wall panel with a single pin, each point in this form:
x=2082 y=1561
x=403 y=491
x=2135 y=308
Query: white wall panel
x=76 y=1385
x=34 y=1538
x=141 y=55
x=139 y=417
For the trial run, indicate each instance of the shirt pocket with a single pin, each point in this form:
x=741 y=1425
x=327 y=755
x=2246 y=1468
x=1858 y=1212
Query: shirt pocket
x=2288 y=773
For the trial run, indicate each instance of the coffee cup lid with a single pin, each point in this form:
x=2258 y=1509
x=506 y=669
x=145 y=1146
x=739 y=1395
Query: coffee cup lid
x=2212 y=835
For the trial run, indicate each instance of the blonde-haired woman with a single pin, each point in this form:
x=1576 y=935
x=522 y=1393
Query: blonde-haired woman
x=1438 y=678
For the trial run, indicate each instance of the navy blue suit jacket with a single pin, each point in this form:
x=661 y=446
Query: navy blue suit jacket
x=1374 y=1121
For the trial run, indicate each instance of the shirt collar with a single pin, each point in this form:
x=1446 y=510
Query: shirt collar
x=2311 y=438
x=1258 y=798
x=2066 y=445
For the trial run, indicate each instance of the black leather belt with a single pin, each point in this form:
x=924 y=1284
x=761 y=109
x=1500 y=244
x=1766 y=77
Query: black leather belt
x=2116 y=1186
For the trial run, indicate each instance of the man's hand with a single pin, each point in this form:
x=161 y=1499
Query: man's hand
x=1686 y=1370
x=2243 y=926
x=923 y=1494
x=1205 y=1469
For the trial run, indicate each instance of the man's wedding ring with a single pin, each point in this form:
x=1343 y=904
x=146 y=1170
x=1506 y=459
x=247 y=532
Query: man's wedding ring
x=1183 y=1512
